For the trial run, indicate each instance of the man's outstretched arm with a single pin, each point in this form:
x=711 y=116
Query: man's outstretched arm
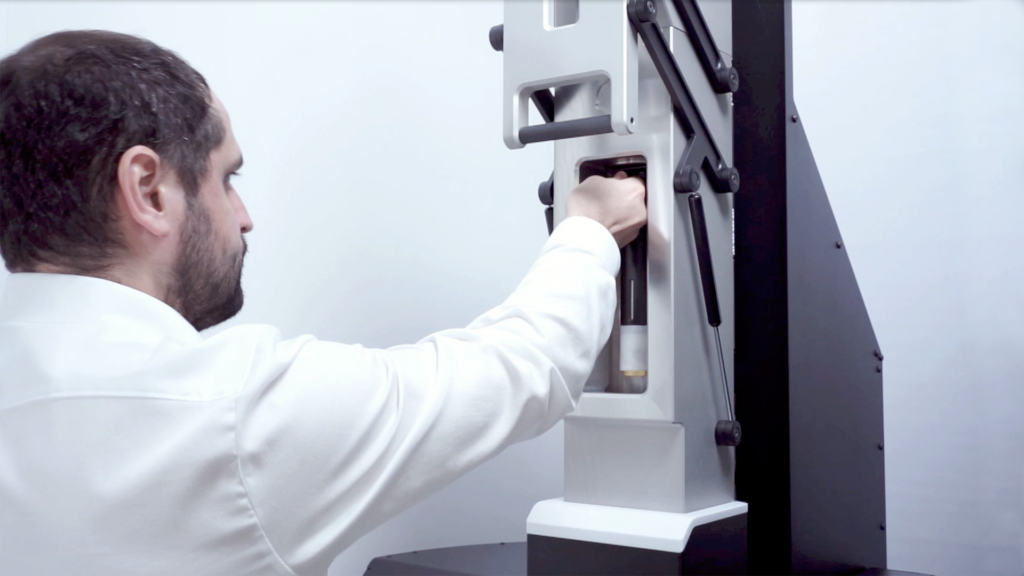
x=343 y=437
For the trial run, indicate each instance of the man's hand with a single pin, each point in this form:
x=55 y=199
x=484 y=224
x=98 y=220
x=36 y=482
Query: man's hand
x=617 y=203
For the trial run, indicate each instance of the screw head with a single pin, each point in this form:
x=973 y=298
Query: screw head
x=882 y=525
x=878 y=368
x=881 y=446
x=734 y=80
x=651 y=7
x=839 y=244
x=794 y=118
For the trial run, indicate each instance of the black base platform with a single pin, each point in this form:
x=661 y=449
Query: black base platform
x=503 y=559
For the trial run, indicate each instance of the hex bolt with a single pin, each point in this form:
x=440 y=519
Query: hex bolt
x=794 y=118
x=882 y=526
x=878 y=354
x=839 y=244
x=881 y=446
x=878 y=368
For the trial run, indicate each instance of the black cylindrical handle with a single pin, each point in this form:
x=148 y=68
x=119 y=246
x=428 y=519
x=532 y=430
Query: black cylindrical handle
x=633 y=293
x=707 y=272
x=567 y=129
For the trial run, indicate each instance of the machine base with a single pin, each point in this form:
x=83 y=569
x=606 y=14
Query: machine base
x=626 y=527
x=719 y=547
x=714 y=547
x=504 y=559
x=499 y=559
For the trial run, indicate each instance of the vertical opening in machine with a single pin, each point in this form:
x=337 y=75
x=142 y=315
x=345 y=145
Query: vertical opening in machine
x=628 y=361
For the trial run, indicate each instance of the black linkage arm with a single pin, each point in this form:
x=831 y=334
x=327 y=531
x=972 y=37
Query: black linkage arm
x=701 y=152
x=723 y=78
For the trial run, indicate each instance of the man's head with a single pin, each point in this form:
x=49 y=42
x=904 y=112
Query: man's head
x=115 y=161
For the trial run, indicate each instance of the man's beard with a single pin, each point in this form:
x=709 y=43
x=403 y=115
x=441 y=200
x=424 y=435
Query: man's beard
x=206 y=287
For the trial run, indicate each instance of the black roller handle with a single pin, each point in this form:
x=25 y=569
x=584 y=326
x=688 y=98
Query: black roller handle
x=707 y=272
x=566 y=129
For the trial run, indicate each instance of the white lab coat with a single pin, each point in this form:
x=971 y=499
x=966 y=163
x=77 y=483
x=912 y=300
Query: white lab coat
x=129 y=444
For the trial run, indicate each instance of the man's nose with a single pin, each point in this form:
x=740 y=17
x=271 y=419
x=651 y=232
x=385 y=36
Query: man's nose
x=244 y=221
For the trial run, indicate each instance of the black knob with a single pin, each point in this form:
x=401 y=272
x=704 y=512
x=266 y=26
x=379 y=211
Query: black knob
x=728 y=180
x=497 y=37
x=733 y=80
x=728 y=433
x=644 y=10
x=546 y=191
x=687 y=179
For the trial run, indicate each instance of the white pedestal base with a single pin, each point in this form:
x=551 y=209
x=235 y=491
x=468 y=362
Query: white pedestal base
x=646 y=529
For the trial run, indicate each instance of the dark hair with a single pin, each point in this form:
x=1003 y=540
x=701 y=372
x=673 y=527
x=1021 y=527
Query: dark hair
x=71 y=104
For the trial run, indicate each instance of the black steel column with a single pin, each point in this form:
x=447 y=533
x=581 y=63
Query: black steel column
x=808 y=368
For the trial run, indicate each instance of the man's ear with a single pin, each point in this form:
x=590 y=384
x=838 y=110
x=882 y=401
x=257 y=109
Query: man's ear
x=146 y=189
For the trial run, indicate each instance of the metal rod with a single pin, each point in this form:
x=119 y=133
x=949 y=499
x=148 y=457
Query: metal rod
x=725 y=377
x=566 y=129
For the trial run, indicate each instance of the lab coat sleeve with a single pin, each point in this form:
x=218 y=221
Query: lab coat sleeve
x=333 y=439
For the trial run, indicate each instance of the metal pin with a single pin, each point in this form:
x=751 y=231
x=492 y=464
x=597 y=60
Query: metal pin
x=725 y=376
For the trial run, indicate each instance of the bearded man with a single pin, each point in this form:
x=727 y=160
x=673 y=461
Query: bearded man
x=132 y=444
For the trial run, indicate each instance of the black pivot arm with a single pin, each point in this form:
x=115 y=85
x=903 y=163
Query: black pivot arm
x=701 y=152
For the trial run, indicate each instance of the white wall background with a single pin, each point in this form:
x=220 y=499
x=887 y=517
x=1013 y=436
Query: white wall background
x=387 y=207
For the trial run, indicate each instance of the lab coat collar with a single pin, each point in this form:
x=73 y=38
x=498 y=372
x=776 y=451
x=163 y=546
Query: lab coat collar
x=66 y=298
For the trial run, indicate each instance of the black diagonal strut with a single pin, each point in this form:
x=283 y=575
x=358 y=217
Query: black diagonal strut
x=701 y=151
x=545 y=103
x=723 y=78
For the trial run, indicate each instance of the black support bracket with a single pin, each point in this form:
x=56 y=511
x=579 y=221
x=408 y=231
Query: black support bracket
x=701 y=151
